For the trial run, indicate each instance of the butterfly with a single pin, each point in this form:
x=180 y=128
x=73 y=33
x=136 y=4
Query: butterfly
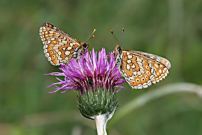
x=59 y=47
x=141 y=69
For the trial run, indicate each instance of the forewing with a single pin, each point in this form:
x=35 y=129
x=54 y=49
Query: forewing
x=142 y=69
x=58 y=46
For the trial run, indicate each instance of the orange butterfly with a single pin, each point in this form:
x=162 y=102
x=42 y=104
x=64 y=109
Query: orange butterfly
x=59 y=47
x=141 y=69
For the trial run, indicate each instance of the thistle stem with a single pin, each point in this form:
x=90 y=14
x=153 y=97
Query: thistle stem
x=101 y=122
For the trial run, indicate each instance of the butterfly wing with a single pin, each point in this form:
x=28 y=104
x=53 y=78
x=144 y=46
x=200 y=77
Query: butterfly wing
x=59 y=47
x=142 y=69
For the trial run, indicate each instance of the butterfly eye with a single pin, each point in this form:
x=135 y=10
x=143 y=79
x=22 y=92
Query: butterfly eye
x=85 y=45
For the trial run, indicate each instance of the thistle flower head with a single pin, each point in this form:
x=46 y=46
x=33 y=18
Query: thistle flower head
x=92 y=71
x=96 y=77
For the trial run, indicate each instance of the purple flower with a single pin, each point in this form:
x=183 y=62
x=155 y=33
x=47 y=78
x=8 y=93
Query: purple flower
x=91 y=71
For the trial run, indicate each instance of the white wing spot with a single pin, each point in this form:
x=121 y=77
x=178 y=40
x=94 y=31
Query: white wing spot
x=139 y=59
x=67 y=52
x=47 y=54
x=128 y=67
x=71 y=44
x=69 y=48
x=130 y=56
x=45 y=51
x=59 y=53
x=128 y=61
x=49 y=58
x=64 y=42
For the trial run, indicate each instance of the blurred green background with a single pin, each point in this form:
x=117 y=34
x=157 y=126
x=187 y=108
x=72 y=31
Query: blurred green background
x=169 y=28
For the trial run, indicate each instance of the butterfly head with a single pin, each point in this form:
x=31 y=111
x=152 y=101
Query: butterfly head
x=84 y=46
x=117 y=50
x=81 y=50
x=118 y=53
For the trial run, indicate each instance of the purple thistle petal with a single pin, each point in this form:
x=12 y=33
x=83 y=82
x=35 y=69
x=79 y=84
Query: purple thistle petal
x=91 y=71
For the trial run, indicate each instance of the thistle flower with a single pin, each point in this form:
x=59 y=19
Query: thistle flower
x=97 y=79
x=89 y=73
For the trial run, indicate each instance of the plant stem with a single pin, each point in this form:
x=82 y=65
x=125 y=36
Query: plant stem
x=101 y=122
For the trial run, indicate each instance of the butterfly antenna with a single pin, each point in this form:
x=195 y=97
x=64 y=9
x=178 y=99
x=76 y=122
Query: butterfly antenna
x=122 y=30
x=92 y=35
